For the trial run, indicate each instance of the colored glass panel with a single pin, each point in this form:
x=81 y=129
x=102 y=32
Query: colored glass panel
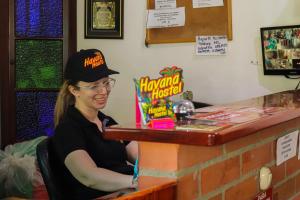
x=39 y=18
x=39 y=64
x=34 y=114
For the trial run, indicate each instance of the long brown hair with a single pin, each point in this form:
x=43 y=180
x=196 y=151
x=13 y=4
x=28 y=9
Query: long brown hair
x=64 y=100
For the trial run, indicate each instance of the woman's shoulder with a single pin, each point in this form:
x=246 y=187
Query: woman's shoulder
x=106 y=120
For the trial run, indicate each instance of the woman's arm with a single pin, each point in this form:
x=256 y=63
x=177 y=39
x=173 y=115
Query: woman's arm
x=84 y=169
x=132 y=151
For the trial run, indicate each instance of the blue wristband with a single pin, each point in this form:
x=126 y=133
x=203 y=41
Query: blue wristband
x=136 y=169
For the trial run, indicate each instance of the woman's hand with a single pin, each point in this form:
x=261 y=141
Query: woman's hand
x=134 y=183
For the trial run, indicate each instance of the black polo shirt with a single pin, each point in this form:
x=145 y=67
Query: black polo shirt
x=76 y=132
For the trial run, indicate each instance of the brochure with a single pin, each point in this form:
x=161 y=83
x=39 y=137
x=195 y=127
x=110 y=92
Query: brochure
x=153 y=95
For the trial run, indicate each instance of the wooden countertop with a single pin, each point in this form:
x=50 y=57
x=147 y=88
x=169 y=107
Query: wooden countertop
x=285 y=106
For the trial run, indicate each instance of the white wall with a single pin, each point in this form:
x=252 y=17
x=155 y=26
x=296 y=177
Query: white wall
x=213 y=79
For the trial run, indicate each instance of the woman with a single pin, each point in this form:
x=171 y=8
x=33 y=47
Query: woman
x=88 y=165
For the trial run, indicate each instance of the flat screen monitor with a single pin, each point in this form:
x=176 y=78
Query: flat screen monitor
x=281 y=50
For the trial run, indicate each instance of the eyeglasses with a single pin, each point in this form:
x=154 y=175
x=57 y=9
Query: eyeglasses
x=107 y=84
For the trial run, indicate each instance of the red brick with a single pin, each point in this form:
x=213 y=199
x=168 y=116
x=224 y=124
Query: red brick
x=158 y=156
x=218 y=197
x=243 y=191
x=255 y=158
x=220 y=174
x=190 y=155
x=274 y=146
x=297 y=178
x=285 y=191
x=187 y=187
x=292 y=165
x=297 y=197
x=242 y=142
x=278 y=173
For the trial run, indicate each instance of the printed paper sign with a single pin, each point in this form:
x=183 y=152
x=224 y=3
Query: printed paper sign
x=299 y=150
x=207 y=3
x=166 y=18
x=211 y=45
x=286 y=147
x=165 y=4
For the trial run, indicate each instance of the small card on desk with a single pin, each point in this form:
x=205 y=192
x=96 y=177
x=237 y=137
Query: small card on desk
x=201 y=125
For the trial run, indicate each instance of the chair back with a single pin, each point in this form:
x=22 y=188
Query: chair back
x=52 y=184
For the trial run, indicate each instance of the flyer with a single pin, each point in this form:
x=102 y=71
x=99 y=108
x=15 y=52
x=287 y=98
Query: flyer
x=234 y=115
x=153 y=95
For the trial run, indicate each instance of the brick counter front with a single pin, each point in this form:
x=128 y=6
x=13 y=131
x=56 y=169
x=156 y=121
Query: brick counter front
x=228 y=171
x=224 y=172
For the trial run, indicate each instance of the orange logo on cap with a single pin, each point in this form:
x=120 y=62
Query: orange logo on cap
x=95 y=61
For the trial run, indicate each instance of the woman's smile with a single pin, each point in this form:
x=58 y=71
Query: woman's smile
x=100 y=100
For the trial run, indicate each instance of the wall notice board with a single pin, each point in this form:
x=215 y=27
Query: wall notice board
x=198 y=21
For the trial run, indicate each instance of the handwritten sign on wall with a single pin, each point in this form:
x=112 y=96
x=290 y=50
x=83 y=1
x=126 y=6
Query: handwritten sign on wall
x=211 y=45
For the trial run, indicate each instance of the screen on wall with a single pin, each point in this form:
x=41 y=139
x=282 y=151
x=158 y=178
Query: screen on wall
x=281 y=50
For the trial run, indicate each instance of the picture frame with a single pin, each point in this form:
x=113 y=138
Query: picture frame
x=104 y=19
x=281 y=50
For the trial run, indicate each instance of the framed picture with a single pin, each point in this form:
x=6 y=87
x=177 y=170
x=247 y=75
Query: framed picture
x=281 y=50
x=104 y=19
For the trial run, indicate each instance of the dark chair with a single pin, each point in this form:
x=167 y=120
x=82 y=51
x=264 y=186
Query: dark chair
x=43 y=152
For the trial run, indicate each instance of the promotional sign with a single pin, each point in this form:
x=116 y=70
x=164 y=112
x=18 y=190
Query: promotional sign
x=153 y=95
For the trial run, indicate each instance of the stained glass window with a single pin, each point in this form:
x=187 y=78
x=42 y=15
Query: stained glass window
x=34 y=114
x=39 y=18
x=39 y=63
x=38 y=66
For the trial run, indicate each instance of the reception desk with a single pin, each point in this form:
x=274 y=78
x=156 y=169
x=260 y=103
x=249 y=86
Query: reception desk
x=223 y=164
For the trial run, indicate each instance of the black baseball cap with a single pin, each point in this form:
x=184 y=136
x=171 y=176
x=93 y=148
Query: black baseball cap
x=87 y=65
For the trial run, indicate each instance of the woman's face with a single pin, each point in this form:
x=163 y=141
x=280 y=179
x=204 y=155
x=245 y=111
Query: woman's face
x=93 y=95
